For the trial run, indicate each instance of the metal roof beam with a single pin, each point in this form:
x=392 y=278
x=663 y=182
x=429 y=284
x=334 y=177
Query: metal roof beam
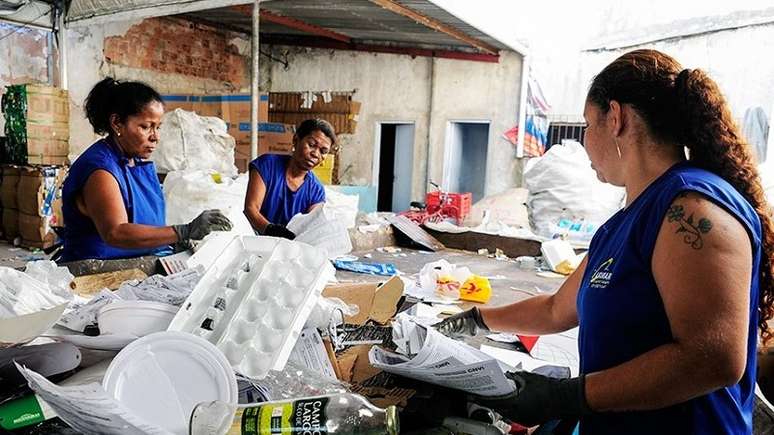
x=399 y=9
x=301 y=41
x=296 y=24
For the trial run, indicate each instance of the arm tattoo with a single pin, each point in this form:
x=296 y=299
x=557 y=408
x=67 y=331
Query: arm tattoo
x=692 y=230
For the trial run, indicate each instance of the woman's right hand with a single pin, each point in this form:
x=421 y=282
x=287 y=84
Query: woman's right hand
x=205 y=223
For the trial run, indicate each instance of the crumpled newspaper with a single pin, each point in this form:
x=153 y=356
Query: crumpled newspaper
x=171 y=289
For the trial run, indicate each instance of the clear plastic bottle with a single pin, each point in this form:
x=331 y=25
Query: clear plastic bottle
x=339 y=414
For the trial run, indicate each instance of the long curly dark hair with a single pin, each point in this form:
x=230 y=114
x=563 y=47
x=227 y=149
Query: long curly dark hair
x=686 y=107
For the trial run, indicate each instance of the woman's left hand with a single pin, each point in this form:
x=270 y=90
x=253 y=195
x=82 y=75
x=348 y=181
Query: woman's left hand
x=539 y=399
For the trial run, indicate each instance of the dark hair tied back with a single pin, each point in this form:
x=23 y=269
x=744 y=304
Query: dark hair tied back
x=687 y=108
x=111 y=97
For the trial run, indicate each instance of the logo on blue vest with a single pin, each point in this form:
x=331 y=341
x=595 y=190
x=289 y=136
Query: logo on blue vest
x=602 y=275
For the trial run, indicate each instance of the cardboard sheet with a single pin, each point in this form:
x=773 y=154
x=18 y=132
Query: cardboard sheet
x=376 y=302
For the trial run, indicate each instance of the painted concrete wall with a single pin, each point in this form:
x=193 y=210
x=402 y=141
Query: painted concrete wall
x=389 y=87
x=428 y=92
x=392 y=88
x=476 y=91
x=23 y=58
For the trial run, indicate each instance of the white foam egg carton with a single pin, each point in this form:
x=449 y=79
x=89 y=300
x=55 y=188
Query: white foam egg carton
x=254 y=299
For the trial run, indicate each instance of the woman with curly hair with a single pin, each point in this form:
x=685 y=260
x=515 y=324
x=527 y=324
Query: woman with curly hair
x=676 y=287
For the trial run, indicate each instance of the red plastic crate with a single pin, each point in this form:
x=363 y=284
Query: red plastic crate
x=460 y=201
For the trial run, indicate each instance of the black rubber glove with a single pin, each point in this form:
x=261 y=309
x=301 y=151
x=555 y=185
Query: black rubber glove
x=275 y=230
x=465 y=324
x=205 y=223
x=539 y=399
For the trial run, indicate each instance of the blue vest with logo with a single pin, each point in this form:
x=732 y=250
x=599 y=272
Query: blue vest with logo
x=622 y=316
x=140 y=190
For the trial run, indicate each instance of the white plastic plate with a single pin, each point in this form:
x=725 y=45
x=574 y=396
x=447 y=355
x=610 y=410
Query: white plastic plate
x=162 y=376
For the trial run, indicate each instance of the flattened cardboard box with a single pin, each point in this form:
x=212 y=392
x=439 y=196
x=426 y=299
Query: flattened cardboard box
x=376 y=302
x=46 y=104
x=36 y=231
x=38 y=188
x=272 y=139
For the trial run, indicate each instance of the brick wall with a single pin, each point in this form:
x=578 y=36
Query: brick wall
x=23 y=58
x=176 y=46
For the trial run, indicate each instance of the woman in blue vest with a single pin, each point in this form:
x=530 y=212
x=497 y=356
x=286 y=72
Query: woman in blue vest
x=282 y=186
x=113 y=206
x=676 y=287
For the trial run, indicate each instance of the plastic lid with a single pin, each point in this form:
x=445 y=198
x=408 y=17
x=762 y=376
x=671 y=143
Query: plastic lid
x=162 y=376
x=140 y=305
x=393 y=424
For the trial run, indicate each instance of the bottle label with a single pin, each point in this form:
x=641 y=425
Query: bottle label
x=305 y=417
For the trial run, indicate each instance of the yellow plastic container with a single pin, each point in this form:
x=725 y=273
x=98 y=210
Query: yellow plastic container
x=325 y=175
x=476 y=289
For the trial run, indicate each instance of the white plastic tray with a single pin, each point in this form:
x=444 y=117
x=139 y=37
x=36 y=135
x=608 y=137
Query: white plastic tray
x=254 y=299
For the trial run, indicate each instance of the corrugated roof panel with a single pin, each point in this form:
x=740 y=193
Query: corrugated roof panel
x=361 y=20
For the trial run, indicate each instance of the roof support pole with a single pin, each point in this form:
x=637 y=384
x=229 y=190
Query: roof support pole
x=63 y=80
x=256 y=71
x=522 y=106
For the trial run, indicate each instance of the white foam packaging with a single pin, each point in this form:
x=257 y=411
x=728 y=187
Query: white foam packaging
x=254 y=299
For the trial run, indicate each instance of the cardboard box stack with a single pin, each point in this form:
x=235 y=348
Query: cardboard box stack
x=235 y=110
x=9 y=198
x=338 y=108
x=37 y=124
x=39 y=200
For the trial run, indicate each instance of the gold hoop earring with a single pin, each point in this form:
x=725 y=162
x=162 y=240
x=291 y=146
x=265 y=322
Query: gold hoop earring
x=618 y=148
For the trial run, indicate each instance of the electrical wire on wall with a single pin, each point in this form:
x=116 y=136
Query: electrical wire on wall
x=284 y=62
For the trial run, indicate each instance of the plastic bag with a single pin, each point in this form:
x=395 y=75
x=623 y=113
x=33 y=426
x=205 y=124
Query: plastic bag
x=443 y=278
x=340 y=207
x=188 y=193
x=188 y=141
x=565 y=195
x=330 y=311
x=22 y=294
x=59 y=278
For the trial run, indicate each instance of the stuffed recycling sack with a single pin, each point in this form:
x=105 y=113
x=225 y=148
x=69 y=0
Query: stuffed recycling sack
x=188 y=141
x=565 y=197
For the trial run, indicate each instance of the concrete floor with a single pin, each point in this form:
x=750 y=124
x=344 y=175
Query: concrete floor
x=12 y=256
x=509 y=282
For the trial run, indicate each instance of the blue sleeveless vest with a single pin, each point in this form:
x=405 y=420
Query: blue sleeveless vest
x=622 y=315
x=140 y=190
